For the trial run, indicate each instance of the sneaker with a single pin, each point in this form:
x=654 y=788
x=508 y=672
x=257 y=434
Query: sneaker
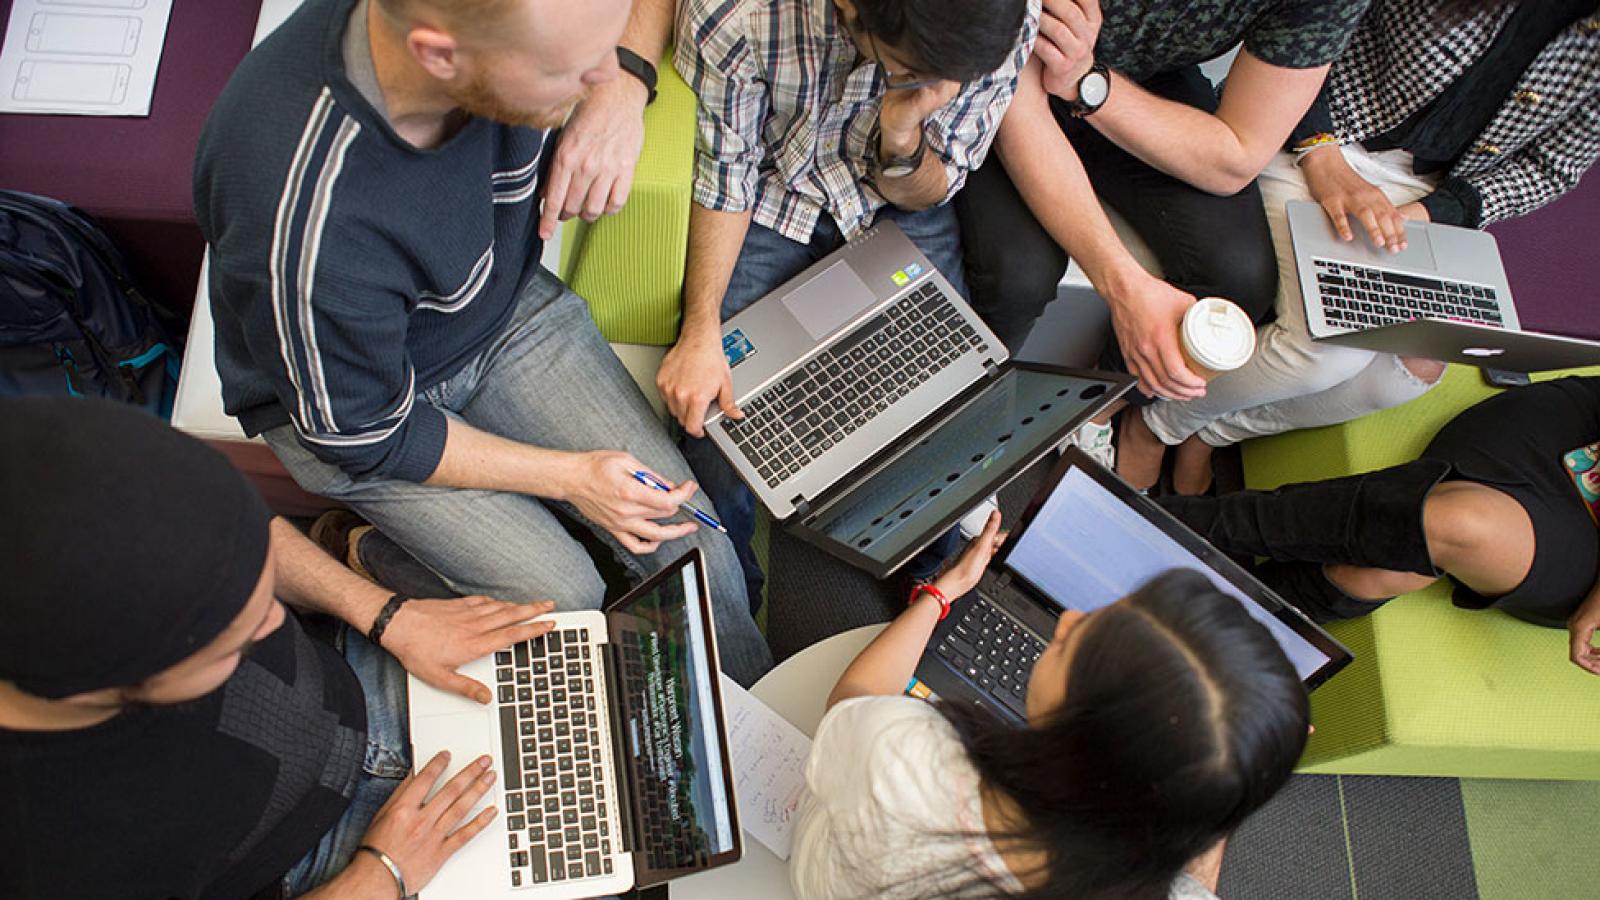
x=972 y=523
x=1096 y=440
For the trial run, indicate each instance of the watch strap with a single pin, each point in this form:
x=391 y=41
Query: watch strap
x=912 y=162
x=640 y=68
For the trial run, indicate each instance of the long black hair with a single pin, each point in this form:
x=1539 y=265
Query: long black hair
x=1182 y=716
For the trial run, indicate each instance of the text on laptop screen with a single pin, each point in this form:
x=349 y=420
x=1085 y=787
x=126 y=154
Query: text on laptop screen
x=944 y=474
x=1088 y=549
x=670 y=736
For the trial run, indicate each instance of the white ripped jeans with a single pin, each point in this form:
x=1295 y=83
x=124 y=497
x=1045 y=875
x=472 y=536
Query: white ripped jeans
x=1292 y=381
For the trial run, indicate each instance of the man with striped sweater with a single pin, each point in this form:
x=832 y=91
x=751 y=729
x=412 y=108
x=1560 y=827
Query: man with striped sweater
x=369 y=184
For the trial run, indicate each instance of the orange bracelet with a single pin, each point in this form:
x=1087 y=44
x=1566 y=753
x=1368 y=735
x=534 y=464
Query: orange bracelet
x=935 y=593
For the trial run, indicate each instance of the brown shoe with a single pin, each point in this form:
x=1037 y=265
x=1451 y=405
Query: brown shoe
x=339 y=533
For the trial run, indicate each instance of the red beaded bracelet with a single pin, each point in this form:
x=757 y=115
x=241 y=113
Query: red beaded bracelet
x=935 y=593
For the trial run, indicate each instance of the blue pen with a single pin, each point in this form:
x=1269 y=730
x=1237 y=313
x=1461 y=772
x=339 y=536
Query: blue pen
x=648 y=480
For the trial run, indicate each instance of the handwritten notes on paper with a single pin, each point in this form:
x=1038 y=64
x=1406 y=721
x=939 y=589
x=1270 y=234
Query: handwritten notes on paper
x=769 y=765
x=82 y=57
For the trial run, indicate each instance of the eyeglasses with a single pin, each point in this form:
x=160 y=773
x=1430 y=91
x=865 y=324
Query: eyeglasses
x=896 y=81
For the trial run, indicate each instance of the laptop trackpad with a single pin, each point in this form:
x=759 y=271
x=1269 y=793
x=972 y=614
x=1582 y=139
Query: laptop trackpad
x=832 y=298
x=1417 y=256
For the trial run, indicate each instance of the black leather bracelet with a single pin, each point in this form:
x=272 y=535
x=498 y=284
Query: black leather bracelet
x=375 y=633
x=640 y=68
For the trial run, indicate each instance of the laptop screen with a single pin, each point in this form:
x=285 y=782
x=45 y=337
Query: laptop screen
x=899 y=508
x=1086 y=548
x=671 y=730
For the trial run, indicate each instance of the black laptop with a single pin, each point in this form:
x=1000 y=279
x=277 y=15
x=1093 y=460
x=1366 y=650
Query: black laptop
x=1087 y=540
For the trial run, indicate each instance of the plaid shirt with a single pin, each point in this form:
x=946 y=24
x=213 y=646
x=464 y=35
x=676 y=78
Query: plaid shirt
x=787 y=108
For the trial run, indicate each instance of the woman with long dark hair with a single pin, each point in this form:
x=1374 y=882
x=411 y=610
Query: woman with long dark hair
x=1459 y=112
x=1155 y=727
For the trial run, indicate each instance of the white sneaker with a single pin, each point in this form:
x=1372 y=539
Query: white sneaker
x=1095 y=440
x=972 y=523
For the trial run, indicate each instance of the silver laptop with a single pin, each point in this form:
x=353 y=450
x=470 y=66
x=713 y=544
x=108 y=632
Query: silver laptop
x=878 y=406
x=1444 y=297
x=609 y=740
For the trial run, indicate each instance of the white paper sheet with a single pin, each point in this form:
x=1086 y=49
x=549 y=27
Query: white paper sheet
x=769 y=765
x=82 y=57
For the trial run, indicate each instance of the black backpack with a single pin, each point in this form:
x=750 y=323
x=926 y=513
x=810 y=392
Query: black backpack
x=71 y=320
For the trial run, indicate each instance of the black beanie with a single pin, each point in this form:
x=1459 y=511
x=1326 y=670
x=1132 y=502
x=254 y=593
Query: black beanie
x=125 y=546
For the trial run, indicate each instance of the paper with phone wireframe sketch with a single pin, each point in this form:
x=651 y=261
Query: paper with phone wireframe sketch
x=82 y=57
x=769 y=767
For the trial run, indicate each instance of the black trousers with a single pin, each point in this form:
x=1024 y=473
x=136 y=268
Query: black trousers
x=1208 y=245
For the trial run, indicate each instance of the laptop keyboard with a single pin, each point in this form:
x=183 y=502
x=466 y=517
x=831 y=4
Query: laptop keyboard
x=1355 y=298
x=557 y=808
x=994 y=651
x=844 y=387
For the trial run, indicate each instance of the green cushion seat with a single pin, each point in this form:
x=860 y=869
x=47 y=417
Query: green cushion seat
x=1435 y=690
x=629 y=267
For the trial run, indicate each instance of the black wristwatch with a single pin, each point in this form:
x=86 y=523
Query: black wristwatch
x=640 y=68
x=897 y=166
x=1093 y=89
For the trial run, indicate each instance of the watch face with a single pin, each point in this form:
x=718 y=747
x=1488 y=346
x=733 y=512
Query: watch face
x=1092 y=90
x=898 y=170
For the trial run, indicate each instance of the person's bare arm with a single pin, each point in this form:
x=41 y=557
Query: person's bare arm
x=592 y=172
x=695 y=372
x=1145 y=310
x=902 y=122
x=885 y=666
x=1222 y=153
x=430 y=638
x=599 y=483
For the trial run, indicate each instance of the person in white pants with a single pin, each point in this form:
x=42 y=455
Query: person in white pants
x=1462 y=112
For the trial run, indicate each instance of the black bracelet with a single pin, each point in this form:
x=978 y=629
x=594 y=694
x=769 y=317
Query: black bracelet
x=640 y=68
x=375 y=633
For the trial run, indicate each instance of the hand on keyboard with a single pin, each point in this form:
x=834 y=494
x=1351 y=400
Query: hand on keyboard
x=601 y=485
x=417 y=832
x=431 y=638
x=1146 y=321
x=694 y=375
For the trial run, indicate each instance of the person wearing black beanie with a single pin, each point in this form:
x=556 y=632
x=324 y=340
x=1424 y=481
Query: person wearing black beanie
x=167 y=729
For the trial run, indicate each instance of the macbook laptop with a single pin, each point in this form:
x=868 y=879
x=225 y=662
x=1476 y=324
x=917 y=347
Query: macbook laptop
x=1444 y=297
x=878 y=406
x=1086 y=541
x=609 y=740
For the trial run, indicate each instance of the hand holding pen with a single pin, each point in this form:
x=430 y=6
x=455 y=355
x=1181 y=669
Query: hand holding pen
x=603 y=487
x=648 y=480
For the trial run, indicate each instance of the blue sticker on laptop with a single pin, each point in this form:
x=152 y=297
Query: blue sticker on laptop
x=913 y=270
x=736 y=347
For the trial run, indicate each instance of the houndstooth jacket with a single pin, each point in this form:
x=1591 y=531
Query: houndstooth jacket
x=1541 y=140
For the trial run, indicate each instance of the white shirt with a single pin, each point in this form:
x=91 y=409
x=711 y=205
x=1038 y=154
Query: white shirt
x=892 y=809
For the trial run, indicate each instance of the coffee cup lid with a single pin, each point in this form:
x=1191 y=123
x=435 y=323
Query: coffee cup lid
x=1218 y=335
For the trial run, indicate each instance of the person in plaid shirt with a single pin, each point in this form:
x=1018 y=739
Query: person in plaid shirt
x=817 y=119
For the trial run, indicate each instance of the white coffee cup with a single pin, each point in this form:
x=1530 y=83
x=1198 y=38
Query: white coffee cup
x=1217 y=336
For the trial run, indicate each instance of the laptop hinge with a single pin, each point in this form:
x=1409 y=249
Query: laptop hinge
x=802 y=506
x=990 y=367
x=619 y=744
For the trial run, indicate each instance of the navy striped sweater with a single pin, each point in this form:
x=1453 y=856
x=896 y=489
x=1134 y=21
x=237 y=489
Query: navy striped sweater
x=349 y=269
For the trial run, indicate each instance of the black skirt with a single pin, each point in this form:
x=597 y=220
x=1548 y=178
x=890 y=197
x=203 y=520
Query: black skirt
x=1515 y=442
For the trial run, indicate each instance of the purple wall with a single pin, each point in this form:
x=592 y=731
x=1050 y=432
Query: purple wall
x=1552 y=257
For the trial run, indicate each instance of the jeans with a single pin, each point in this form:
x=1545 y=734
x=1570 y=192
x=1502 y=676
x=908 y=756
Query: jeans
x=1293 y=381
x=386 y=764
x=548 y=380
x=1209 y=246
x=767 y=260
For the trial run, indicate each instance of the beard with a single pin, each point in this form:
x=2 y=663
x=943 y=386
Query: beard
x=479 y=98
